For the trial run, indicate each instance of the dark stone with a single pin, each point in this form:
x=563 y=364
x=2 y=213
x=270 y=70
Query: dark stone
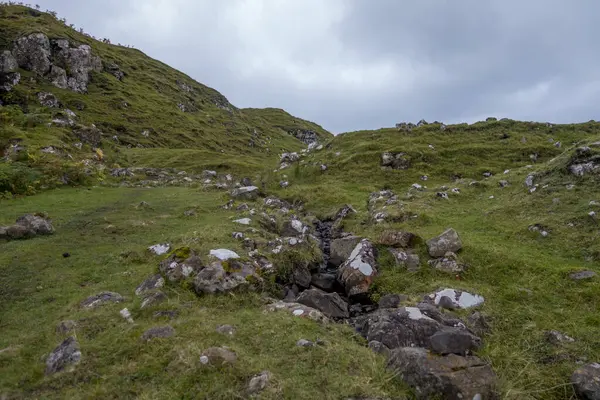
x=301 y=276
x=158 y=332
x=151 y=299
x=586 y=382
x=101 y=299
x=323 y=281
x=582 y=275
x=330 y=304
x=170 y=314
x=391 y=300
x=356 y=274
x=454 y=341
x=64 y=356
x=151 y=283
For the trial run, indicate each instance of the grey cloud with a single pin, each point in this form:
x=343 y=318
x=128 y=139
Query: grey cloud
x=533 y=60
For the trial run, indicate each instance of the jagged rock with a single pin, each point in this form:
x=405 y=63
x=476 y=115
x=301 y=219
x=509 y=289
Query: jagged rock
x=151 y=299
x=158 y=332
x=407 y=260
x=341 y=249
x=226 y=330
x=89 y=135
x=78 y=61
x=448 y=377
x=8 y=62
x=449 y=241
x=460 y=299
x=58 y=77
x=114 y=69
x=357 y=272
x=330 y=304
x=214 y=278
x=33 y=53
x=397 y=239
x=64 y=357
x=65 y=327
x=301 y=276
x=258 y=383
x=306 y=136
x=582 y=275
x=298 y=310
x=324 y=281
x=101 y=299
x=454 y=341
x=48 y=100
x=218 y=356
x=177 y=269
x=391 y=300
x=586 y=382
x=246 y=192
x=395 y=160
x=449 y=263
x=151 y=283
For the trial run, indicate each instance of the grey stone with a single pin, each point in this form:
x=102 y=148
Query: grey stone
x=454 y=341
x=304 y=343
x=79 y=62
x=459 y=298
x=170 y=314
x=448 y=377
x=214 y=279
x=166 y=331
x=114 y=69
x=582 y=275
x=324 y=281
x=479 y=323
x=176 y=269
x=32 y=53
x=37 y=224
x=89 y=135
x=58 y=77
x=391 y=300
x=449 y=264
x=101 y=299
x=298 y=310
x=357 y=272
x=218 y=356
x=556 y=337
x=586 y=382
x=19 y=232
x=64 y=357
x=8 y=63
x=301 y=276
x=48 y=100
x=226 y=330
x=397 y=239
x=449 y=241
x=395 y=160
x=152 y=299
x=65 y=327
x=151 y=283
x=9 y=81
x=259 y=382
x=245 y=192
x=379 y=348
x=406 y=259
x=330 y=304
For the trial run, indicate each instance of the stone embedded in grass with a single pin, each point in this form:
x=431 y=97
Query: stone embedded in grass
x=126 y=315
x=66 y=326
x=259 y=382
x=27 y=226
x=170 y=314
x=304 y=343
x=226 y=330
x=243 y=221
x=180 y=265
x=152 y=299
x=449 y=263
x=451 y=376
x=582 y=275
x=222 y=278
x=101 y=299
x=556 y=337
x=586 y=382
x=160 y=249
x=166 y=331
x=406 y=259
x=151 y=283
x=189 y=213
x=64 y=357
x=454 y=341
x=459 y=298
x=395 y=160
x=330 y=304
x=218 y=356
x=357 y=272
x=245 y=192
x=224 y=254
x=298 y=310
x=447 y=241
x=397 y=239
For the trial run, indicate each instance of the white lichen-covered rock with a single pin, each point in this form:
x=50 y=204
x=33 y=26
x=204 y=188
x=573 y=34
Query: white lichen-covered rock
x=243 y=221
x=357 y=272
x=245 y=192
x=160 y=249
x=224 y=254
x=459 y=299
x=297 y=310
x=449 y=241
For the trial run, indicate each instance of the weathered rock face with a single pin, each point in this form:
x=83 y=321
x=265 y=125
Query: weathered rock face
x=586 y=382
x=584 y=161
x=63 y=357
x=33 y=53
x=330 y=304
x=214 y=278
x=8 y=81
x=306 y=136
x=449 y=377
x=78 y=61
x=395 y=160
x=323 y=281
x=449 y=241
x=341 y=249
x=258 y=383
x=48 y=100
x=114 y=69
x=357 y=272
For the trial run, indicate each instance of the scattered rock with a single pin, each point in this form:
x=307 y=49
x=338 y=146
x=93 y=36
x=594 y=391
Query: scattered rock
x=301 y=276
x=556 y=337
x=582 y=275
x=324 y=281
x=214 y=279
x=245 y=192
x=503 y=183
x=153 y=299
x=8 y=63
x=341 y=249
x=226 y=330
x=218 y=356
x=151 y=283
x=158 y=332
x=304 y=343
x=126 y=315
x=448 y=377
x=391 y=300
x=102 y=299
x=459 y=298
x=170 y=314
x=224 y=254
x=449 y=263
x=395 y=160
x=64 y=357
x=298 y=310
x=407 y=260
x=259 y=382
x=357 y=272
x=479 y=323
x=449 y=241
x=330 y=304
x=48 y=100
x=243 y=221
x=454 y=341
x=586 y=382
x=397 y=239
x=160 y=249
x=177 y=267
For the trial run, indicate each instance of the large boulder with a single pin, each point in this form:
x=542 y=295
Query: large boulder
x=406 y=259
x=64 y=357
x=78 y=61
x=586 y=382
x=37 y=224
x=449 y=241
x=218 y=279
x=341 y=249
x=245 y=193
x=448 y=377
x=32 y=53
x=330 y=304
x=357 y=272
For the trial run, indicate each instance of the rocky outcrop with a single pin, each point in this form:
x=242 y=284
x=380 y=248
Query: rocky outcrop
x=341 y=249
x=152 y=283
x=216 y=279
x=101 y=299
x=357 y=272
x=65 y=66
x=306 y=136
x=27 y=227
x=181 y=265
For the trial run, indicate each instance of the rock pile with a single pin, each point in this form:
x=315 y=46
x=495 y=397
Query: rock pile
x=27 y=227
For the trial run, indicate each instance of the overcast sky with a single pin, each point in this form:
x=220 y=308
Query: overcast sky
x=367 y=64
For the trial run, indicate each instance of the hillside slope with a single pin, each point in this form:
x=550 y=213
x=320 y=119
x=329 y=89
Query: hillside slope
x=70 y=94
